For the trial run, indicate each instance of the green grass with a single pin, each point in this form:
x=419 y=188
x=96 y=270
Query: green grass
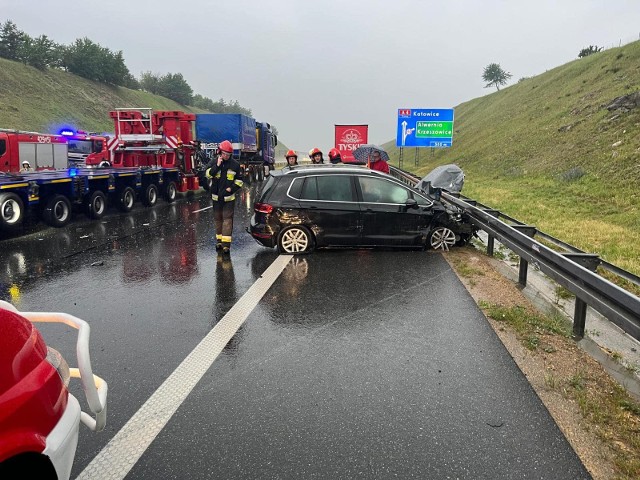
x=542 y=151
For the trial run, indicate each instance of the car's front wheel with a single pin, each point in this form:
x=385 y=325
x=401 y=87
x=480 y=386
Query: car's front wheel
x=442 y=238
x=294 y=240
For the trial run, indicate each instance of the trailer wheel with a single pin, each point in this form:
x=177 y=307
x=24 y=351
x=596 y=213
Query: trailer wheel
x=11 y=211
x=170 y=192
x=57 y=212
x=126 y=199
x=96 y=205
x=150 y=196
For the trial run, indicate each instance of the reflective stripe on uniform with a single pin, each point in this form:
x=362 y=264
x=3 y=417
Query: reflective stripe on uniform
x=230 y=198
x=225 y=238
x=218 y=237
x=239 y=182
x=214 y=197
x=231 y=174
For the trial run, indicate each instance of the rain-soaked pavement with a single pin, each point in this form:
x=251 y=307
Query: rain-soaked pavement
x=354 y=364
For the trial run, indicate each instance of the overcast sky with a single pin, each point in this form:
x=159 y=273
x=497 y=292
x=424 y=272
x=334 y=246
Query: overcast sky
x=305 y=66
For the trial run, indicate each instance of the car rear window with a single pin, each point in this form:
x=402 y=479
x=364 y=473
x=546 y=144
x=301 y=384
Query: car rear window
x=267 y=188
x=333 y=188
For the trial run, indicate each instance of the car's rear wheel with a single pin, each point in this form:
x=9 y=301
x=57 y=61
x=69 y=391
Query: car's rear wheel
x=294 y=240
x=442 y=238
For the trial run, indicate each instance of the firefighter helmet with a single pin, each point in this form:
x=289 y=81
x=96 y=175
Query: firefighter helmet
x=226 y=146
x=26 y=164
x=291 y=153
x=334 y=153
x=315 y=151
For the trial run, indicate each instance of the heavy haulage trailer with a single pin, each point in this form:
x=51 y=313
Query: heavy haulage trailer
x=152 y=154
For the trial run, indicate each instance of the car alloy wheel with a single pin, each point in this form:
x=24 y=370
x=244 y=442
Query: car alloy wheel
x=295 y=240
x=442 y=238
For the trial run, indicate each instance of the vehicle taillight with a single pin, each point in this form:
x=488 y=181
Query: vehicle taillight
x=58 y=362
x=263 y=208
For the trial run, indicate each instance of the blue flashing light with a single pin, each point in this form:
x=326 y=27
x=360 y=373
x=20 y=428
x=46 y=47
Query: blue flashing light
x=73 y=172
x=67 y=132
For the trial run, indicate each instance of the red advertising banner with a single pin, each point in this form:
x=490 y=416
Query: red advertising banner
x=350 y=137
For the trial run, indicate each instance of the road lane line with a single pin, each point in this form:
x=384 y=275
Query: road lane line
x=203 y=209
x=119 y=456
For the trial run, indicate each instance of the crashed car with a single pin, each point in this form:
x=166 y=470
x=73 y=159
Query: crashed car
x=315 y=206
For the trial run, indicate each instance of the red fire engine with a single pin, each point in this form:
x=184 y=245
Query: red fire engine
x=87 y=149
x=36 y=151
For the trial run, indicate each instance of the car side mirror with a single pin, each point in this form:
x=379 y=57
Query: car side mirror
x=410 y=203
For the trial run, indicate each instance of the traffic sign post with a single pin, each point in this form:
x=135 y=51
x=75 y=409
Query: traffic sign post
x=424 y=127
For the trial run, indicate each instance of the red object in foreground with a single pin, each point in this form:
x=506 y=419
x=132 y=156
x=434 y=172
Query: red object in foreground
x=39 y=418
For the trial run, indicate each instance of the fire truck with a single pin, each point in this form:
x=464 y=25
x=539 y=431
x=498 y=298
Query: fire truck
x=151 y=155
x=86 y=149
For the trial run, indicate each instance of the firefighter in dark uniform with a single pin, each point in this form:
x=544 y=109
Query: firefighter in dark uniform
x=226 y=181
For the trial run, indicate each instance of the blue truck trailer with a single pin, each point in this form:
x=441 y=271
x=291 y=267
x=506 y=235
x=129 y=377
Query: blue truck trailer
x=253 y=142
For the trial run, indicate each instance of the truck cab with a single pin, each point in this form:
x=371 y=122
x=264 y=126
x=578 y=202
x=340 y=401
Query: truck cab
x=87 y=149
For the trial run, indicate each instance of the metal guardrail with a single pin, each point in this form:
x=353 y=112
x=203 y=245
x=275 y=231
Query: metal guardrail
x=573 y=269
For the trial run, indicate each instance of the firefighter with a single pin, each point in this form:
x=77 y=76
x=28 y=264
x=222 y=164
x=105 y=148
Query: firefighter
x=26 y=167
x=292 y=158
x=316 y=155
x=334 y=156
x=226 y=181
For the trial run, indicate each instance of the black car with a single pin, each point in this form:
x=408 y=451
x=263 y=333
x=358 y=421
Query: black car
x=310 y=206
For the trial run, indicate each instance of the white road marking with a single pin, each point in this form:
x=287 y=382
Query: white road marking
x=119 y=456
x=203 y=209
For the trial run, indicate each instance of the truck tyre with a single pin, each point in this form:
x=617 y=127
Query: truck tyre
x=96 y=205
x=170 y=192
x=126 y=199
x=57 y=211
x=150 y=196
x=11 y=211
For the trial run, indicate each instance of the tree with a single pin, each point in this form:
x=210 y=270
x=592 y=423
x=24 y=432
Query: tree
x=175 y=87
x=495 y=75
x=11 y=41
x=585 y=52
x=39 y=52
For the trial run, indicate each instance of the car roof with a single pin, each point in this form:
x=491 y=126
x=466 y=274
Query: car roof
x=297 y=170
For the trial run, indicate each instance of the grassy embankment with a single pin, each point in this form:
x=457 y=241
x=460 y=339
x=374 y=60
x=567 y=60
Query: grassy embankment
x=548 y=152
x=42 y=101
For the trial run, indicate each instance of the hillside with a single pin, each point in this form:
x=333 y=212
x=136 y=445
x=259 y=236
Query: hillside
x=41 y=101
x=547 y=151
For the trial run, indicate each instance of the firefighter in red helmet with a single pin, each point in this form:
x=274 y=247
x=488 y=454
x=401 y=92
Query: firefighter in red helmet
x=292 y=158
x=315 y=154
x=224 y=171
x=334 y=156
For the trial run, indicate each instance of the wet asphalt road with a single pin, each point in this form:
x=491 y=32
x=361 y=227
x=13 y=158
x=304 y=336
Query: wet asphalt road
x=355 y=363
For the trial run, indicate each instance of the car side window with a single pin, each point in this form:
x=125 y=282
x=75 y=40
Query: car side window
x=310 y=189
x=332 y=188
x=378 y=190
x=421 y=200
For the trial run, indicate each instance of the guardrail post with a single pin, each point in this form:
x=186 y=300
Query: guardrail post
x=529 y=231
x=490 y=239
x=589 y=261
